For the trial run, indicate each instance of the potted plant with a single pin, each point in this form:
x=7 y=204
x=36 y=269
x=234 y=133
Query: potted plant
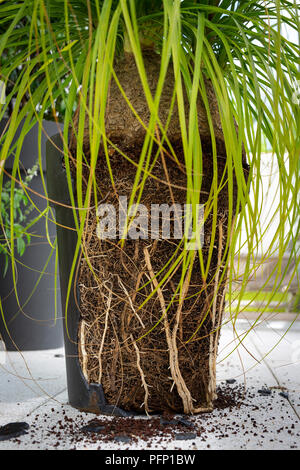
x=151 y=180
x=30 y=314
x=30 y=319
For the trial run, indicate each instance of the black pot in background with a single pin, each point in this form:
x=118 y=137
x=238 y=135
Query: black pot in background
x=33 y=327
x=82 y=395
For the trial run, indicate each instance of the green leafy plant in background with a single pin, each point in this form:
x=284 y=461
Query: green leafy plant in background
x=21 y=212
x=68 y=53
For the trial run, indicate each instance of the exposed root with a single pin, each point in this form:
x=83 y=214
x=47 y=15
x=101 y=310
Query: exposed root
x=171 y=340
x=138 y=364
x=83 y=350
x=130 y=302
x=154 y=353
x=103 y=336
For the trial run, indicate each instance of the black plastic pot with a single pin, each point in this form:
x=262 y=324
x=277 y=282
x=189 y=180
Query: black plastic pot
x=33 y=327
x=84 y=396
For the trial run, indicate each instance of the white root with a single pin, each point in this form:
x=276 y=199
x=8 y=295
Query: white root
x=145 y=385
x=83 y=350
x=103 y=336
x=182 y=389
x=130 y=302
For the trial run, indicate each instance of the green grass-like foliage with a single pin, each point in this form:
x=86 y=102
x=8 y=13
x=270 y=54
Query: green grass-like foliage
x=61 y=52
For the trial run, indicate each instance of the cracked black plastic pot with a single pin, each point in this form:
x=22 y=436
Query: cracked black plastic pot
x=82 y=395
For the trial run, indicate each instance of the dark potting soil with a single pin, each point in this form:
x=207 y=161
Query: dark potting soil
x=265 y=392
x=132 y=358
x=13 y=430
x=132 y=429
x=157 y=432
x=126 y=430
x=185 y=436
x=166 y=427
x=230 y=381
